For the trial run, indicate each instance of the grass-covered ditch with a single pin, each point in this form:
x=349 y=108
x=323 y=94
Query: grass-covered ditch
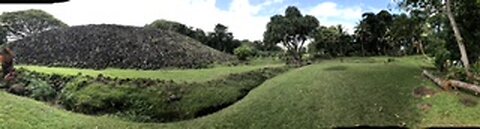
x=139 y=99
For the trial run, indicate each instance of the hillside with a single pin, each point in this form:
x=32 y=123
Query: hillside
x=103 y=46
x=336 y=93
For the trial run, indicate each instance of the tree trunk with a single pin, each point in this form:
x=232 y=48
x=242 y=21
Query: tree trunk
x=297 y=58
x=420 y=45
x=458 y=37
x=436 y=80
x=447 y=84
x=363 y=49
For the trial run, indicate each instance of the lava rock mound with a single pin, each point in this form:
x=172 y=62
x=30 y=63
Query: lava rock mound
x=103 y=46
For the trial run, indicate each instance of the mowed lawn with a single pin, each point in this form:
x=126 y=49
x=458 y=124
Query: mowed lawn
x=337 y=93
x=188 y=75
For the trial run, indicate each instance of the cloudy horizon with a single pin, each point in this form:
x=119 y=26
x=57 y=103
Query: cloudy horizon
x=246 y=19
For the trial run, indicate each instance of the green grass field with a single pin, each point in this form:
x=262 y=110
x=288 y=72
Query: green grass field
x=188 y=75
x=341 y=92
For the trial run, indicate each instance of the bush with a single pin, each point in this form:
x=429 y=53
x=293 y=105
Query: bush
x=41 y=90
x=35 y=87
x=243 y=52
x=441 y=58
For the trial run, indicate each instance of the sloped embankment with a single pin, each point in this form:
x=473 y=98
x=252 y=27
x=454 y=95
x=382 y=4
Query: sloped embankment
x=144 y=100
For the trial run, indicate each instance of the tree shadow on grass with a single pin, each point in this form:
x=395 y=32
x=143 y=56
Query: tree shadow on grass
x=336 y=68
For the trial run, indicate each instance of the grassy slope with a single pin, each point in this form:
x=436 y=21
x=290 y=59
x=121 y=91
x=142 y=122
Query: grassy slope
x=448 y=110
x=322 y=95
x=188 y=75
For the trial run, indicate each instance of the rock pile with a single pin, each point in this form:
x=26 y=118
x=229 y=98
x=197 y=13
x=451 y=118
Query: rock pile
x=102 y=46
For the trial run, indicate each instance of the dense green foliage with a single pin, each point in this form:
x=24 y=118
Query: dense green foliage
x=20 y=24
x=332 y=42
x=161 y=101
x=291 y=30
x=222 y=40
x=244 y=52
x=143 y=99
x=439 y=34
x=28 y=84
x=345 y=93
x=388 y=34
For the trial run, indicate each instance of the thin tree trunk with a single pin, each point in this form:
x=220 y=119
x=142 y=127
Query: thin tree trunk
x=363 y=49
x=458 y=37
x=421 y=48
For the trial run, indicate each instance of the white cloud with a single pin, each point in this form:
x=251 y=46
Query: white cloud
x=328 y=13
x=241 y=17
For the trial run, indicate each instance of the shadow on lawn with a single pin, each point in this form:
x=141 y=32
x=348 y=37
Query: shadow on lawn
x=336 y=68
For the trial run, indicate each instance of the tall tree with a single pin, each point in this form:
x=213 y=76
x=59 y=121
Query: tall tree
x=331 y=41
x=461 y=25
x=458 y=36
x=222 y=40
x=200 y=35
x=291 y=30
x=20 y=24
x=406 y=33
x=383 y=30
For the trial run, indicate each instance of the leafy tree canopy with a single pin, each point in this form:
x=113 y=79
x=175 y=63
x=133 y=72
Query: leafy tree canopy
x=291 y=30
x=20 y=24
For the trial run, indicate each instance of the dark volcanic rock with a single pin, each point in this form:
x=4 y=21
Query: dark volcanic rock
x=102 y=46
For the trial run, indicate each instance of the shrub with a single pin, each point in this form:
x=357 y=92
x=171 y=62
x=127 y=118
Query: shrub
x=33 y=86
x=243 y=52
x=40 y=90
x=441 y=57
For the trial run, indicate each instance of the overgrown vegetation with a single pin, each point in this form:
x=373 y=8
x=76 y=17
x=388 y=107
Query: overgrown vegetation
x=143 y=100
x=244 y=52
x=450 y=32
x=359 y=91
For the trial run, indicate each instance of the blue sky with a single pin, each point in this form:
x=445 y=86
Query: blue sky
x=352 y=9
x=366 y=4
x=246 y=19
